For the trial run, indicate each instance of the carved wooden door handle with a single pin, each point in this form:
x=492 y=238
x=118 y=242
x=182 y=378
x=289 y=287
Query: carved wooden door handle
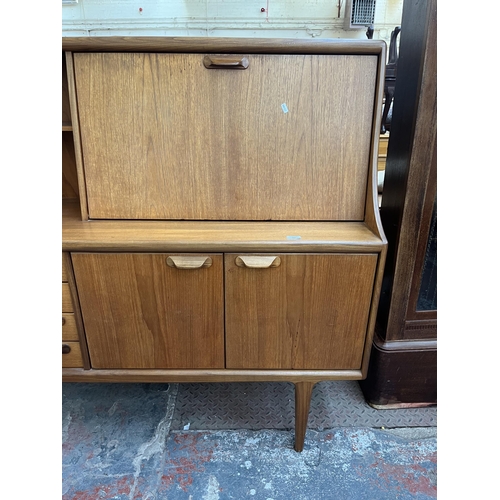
x=188 y=261
x=257 y=261
x=225 y=62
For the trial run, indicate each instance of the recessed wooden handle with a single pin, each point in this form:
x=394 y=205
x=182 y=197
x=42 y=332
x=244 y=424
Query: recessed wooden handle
x=188 y=262
x=225 y=62
x=66 y=349
x=64 y=321
x=257 y=261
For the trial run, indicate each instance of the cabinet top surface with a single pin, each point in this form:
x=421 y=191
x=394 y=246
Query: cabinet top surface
x=213 y=236
x=217 y=44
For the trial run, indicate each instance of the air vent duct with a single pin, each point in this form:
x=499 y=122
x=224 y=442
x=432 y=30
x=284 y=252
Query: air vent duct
x=359 y=14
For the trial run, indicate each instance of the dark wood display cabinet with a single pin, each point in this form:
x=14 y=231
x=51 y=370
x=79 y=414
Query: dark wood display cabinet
x=403 y=368
x=220 y=212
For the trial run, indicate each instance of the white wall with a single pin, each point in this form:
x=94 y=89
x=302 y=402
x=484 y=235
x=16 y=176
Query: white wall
x=221 y=18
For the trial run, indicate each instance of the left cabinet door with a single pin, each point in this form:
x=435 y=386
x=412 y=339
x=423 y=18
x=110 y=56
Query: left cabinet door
x=152 y=310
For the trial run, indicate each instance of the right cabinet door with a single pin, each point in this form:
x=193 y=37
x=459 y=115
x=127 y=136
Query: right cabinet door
x=297 y=311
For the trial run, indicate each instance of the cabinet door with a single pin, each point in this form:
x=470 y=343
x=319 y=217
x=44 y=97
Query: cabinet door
x=297 y=311
x=152 y=310
x=163 y=137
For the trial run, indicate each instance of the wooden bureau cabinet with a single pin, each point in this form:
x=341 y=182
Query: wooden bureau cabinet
x=220 y=215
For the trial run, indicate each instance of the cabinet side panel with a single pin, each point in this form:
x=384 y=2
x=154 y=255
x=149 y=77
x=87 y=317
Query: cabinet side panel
x=140 y=313
x=69 y=171
x=288 y=138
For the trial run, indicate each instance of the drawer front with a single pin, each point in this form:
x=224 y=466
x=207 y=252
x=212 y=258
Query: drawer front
x=278 y=140
x=69 y=330
x=152 y=310
x=64 y=272
x=67 y=304
x=72 y=355
x=305 y=312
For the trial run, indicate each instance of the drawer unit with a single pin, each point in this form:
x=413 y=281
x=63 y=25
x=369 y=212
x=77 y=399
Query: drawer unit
x=64 y=271
x=69 y=328
x=221 y=215
x=71 y=355
x=67 y=303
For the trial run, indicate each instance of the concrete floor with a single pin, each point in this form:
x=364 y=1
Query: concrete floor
x=119 y=443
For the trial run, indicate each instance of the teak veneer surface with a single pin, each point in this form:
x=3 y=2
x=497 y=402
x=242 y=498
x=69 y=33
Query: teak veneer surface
x=212 y=236
x=139 y=312
x=247 y=243
x=162 y=376
x=69 y=171
x=67 y=303
x=73 y=359
x=221 y=44
x=163 y=137
x=69 y=328
x=66 y=112
x=309 y=313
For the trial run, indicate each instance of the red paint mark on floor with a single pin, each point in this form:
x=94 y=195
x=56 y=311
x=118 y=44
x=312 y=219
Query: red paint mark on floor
x=185 y=460
x=77 y=433
x=412 y=478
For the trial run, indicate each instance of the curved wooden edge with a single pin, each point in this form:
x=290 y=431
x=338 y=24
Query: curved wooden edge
x=404 y=345
x=216 y=44
x=372 y=213
x=163 y=376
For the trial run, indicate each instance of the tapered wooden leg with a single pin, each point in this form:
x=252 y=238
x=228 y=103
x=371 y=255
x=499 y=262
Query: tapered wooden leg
x=303 y=392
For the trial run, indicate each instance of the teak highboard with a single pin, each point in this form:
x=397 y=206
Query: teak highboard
x=220 y=214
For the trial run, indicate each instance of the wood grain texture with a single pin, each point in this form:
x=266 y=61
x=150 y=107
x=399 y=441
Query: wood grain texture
x=401 y=372
x=73 y=359
x=311 y=312
x=66 y=111
x=69 y=329
x=76 y=136
x=218 y=145
x=219 y=44
x=77 y=312
x=373 y=308
x=212 y=236
x=140 y=313
x=162 y=376
x=372 y=213
x=411 y=159
x=67 y=303
x=69 y=172
x=64 y=269
x=303 y=393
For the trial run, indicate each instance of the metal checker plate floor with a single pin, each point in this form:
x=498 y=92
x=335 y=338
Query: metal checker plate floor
x=263 y=405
